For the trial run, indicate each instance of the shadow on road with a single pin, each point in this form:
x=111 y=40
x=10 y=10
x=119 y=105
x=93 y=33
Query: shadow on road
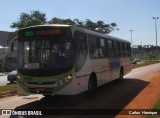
x=114 y=95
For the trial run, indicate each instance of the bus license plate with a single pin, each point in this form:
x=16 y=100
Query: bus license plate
x=40 y=89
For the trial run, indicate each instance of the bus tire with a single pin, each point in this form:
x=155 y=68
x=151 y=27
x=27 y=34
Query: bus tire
x=121 y=74
x=11 y=82
x=92 y=84
x=48 y=96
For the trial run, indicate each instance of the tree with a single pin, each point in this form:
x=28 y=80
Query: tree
x=39 y=18
x=25 y=20
x=90 y=25
x=99 y=26
x=55 y=20
x=79 y=23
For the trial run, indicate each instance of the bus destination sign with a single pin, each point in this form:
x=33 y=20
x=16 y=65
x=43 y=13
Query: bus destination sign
x=42 y=33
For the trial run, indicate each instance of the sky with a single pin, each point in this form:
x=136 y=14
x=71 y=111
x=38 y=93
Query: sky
x=133 y=15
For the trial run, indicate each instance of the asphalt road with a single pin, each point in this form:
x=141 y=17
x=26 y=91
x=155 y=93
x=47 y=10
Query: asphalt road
x=114 y=95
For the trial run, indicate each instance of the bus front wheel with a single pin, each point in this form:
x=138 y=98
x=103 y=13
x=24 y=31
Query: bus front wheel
x=92 y=84
x=48 y=96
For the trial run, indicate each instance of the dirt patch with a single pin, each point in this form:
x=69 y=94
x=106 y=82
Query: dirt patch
x=145 y=99
x=7 y=94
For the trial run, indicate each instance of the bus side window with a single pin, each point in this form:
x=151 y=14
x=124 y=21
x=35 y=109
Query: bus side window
x=124 y=53
x=12 y=47
x=110 y=48
x=116 y=49
x=102 y=48
x=128 y=50
x=93 y=47
x=122 y=50
x=80 y=49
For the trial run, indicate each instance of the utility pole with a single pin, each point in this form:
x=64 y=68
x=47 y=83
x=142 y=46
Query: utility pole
x=131 y=38
x=155 y=18
x=131 y=43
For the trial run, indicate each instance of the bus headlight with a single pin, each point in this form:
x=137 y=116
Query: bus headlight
x=65 y=80
x=18 y=78
x=69 y=77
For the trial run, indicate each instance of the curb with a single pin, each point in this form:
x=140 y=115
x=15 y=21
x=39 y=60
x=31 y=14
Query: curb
x=7 y=94
x=4 y=73
x=1 y=74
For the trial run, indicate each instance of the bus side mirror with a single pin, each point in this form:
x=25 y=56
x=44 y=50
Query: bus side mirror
x=12 y=47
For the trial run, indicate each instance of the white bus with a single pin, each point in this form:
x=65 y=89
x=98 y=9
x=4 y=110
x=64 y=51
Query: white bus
x=67 y=60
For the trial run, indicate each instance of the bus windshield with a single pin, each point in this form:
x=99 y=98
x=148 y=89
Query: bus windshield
x=45 y=54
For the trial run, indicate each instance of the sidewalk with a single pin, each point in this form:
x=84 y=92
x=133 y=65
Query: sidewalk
x=7 y=94
x=4 y=73
x=145 y=99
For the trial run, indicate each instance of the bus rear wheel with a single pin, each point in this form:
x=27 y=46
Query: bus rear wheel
x=48 y=96
x=92 y=84
x=121 y=74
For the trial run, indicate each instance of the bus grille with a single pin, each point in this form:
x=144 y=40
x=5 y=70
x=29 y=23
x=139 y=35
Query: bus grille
x=41 y=83
x=46 y=90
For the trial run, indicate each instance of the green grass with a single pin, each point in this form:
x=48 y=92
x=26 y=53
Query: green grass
x=11 y=87
x=144 y=64
x=157 y=106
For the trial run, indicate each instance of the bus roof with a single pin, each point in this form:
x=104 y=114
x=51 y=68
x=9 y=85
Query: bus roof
x=46 y=25
x=80 y=29
x=105 y=36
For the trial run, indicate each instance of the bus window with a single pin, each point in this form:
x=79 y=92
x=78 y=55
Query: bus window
x=128 y=50
x=93 y=47
x=102 y=48
x=12 y=47
x=110 y=48
x=122 y=50
x=26 y=52
x=116 y=49
x=81 y=49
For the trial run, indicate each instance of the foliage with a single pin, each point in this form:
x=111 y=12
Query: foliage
x=146 y=47
x=25 y=20
x=143 y=64
x=11 y=36
x=39 y=18
x=98 y=26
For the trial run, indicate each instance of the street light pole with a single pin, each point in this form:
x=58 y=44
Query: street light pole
x=155 y=18
x=131 y=37
x=131 y=43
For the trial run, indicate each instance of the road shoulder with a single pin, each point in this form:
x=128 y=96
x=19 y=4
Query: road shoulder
x=147 y=98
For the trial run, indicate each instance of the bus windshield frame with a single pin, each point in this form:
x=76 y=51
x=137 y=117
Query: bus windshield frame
x=45 y=51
